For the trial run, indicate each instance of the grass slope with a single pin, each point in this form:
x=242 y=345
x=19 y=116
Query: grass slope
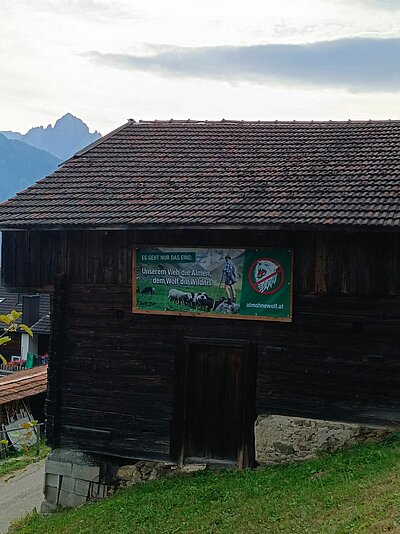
x=19 y=460
x=357 y=490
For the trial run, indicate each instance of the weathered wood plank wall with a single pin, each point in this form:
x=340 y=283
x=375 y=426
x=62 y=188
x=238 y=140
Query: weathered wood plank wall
x=339 y=359
x=357 y=263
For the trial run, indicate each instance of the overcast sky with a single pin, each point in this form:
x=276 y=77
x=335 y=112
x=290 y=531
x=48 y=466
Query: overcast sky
x=106 y=61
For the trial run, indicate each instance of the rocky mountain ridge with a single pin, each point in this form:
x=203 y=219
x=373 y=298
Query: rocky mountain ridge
x=26 y=158
x=68 y=135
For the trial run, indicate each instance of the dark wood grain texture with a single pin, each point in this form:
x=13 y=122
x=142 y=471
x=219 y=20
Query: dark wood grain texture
x=112 y=372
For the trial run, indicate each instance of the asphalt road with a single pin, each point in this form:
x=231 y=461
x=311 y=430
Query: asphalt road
x=20 y=494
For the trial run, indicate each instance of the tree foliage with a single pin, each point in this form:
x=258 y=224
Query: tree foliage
x=10 y=320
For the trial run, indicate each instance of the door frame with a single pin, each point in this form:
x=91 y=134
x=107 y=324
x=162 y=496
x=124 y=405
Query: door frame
x=246 y=453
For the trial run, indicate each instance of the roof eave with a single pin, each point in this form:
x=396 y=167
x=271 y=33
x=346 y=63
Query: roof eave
x=213 y=226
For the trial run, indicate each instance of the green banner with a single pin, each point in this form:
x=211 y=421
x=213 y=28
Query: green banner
x=242 y=283
x=266 y=285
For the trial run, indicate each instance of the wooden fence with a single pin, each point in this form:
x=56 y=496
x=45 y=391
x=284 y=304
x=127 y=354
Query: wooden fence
x=11 y=368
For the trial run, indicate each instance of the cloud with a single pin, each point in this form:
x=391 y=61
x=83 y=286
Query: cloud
x=378 y=5
x=96 y=9
x=359 y=64
x=382 y=4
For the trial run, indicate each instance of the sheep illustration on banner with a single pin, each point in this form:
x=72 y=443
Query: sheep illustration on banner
x=214 y=282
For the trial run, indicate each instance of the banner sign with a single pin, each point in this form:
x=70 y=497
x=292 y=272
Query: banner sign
x=240 y=283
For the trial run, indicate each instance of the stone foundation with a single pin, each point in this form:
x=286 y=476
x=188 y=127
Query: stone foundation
x=280 y=439
x=130 y=475
x=71 y=479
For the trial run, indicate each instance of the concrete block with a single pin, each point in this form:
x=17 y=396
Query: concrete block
x=98 y=491
x=52 y=480
x=68 y=484
x=70 y=500
x=51 y=494
x=90 y=473
x=48 y=508
x=103 y=491
x=58 y=468
x=63 y=498
x=94 y=490
x=76 y=500
x=82 y=487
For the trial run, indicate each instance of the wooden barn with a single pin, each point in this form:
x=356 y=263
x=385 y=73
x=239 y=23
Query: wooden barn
x=154 y=242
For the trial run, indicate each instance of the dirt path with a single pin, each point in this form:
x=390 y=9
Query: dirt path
x=20 y=493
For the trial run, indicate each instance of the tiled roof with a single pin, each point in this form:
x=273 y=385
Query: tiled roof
x=8 y=301
x=42 y=326
x=22 y=384
x=223 y=174
x=13 y=301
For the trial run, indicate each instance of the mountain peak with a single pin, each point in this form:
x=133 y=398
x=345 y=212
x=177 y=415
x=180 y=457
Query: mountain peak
x=68 y=135
x=69 y=116
x=68 y=120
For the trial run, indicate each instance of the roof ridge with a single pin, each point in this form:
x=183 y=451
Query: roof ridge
x=133 y=122
x=244 y=121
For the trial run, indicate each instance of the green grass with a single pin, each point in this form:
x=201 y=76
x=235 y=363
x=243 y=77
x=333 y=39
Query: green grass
x=19 y=460
x=354 y=491
x=159 y=301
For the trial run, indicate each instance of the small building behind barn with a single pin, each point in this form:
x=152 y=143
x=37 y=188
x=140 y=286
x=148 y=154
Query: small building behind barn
x=35 y=309
x=22 y=399
x=222 y=292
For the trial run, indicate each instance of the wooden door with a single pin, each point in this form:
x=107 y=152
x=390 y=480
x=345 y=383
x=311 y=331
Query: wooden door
x=214 y=402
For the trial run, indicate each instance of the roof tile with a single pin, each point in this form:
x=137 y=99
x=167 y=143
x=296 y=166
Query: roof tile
x=223 y=173
x=22 y=384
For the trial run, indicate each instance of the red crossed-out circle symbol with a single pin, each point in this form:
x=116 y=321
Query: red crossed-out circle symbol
x=254 y=285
